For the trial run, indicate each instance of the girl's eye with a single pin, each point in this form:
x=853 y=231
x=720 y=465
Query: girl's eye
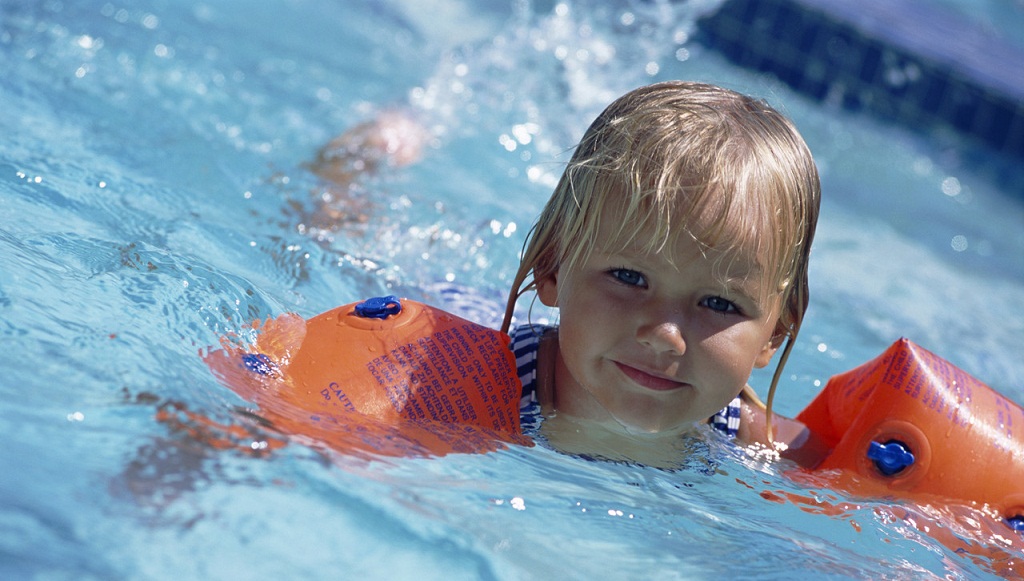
x=628 y=277
x=720 y=305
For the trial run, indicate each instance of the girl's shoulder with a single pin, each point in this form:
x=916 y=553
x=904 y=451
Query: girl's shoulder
x=791 y=437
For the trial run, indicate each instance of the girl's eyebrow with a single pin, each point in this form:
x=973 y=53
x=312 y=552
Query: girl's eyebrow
x=741 y=288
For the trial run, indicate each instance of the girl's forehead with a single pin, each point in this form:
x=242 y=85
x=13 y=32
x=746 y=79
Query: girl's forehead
x=730 y=264
x=736 y=243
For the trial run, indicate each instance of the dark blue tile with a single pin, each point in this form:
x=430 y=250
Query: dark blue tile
x=890 y=64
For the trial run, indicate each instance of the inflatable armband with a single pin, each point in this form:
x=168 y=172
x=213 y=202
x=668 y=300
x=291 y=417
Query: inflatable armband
x=383 y=376
x=912 y=424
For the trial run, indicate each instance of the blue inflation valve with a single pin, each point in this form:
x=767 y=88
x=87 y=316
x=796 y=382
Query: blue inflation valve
x=1016 y=523
x=379 y=307
x=259 y=363
x=891 y=458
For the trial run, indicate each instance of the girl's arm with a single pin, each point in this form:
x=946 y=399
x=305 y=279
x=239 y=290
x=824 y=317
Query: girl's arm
x=793 y=440
x=393 y=138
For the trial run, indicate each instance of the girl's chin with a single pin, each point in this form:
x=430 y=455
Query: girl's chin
x=646 y=417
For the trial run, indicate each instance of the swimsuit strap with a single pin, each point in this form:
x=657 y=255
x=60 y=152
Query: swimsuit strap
x=525 y=344
x=727 y=420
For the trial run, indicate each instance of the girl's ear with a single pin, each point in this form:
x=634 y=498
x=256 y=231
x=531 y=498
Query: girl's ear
x=547 y=290
x=767 y=352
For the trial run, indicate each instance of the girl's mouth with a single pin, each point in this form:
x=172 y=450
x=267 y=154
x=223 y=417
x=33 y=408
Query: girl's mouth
x=648 y=380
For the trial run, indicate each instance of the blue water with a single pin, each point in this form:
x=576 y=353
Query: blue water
x=154 y=197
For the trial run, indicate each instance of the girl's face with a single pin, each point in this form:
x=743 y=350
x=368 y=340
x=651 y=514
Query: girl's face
x=658 y=341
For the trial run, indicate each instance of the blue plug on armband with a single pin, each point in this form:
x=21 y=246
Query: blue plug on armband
x=891 y=458
x=259 y=363
x=379 y=307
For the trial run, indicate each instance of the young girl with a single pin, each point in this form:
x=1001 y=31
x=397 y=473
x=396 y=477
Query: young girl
x=675 y=248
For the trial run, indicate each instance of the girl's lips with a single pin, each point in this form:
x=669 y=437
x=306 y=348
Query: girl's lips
x=647 y=380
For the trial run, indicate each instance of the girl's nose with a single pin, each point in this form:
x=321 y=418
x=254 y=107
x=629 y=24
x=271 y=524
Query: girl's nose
x=663 y=336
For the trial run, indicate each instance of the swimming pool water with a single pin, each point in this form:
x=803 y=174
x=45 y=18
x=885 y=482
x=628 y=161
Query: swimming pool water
x=154 y=197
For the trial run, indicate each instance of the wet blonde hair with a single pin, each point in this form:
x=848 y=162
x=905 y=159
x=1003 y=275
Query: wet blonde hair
x=679 y=158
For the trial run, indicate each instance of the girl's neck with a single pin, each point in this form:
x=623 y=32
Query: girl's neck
x=587 y=438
